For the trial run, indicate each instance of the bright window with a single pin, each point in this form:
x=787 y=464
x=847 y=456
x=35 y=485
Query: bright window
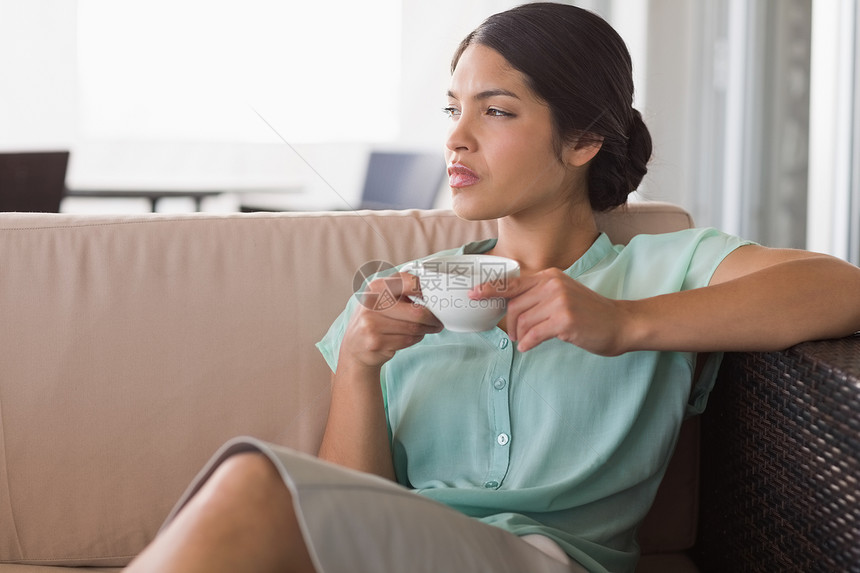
x=206 y=70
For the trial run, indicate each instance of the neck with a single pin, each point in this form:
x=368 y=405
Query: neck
x=557 y=239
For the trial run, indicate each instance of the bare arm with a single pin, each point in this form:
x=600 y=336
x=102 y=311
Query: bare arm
x=758 y=299
x=356 y=433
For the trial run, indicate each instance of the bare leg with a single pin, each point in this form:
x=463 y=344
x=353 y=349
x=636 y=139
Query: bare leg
x=242 y=519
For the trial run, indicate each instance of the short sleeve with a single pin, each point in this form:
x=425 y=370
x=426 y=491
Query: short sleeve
x=329 y=346
x=703 y=386
x=712 y=248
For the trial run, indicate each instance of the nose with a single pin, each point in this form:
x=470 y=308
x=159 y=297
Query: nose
x=461 y=136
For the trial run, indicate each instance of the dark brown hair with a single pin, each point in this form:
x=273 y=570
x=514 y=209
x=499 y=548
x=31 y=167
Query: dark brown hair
x=579 y=65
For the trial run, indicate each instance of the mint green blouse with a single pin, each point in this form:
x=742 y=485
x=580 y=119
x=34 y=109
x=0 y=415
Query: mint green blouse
x=555 y=441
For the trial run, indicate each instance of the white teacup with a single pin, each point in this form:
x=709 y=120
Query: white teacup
x=445 y=283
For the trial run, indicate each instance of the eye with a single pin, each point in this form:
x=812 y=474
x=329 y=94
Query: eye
x=451 y=111
x=498 y=113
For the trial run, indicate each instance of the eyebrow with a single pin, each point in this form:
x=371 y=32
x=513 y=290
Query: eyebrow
x=488 y=94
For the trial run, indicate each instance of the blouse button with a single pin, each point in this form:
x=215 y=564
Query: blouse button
x=491 y=484
x=503 y=343
x=500 y=383
x=503 y=439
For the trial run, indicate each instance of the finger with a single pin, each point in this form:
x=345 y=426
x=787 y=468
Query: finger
x=423 y=316
x=400 y=321
x=541 y=302
x=399 y=341
x=388 y=344
x=504 y=288
x=409 y=284
x=536 y=334
x=383 y=294
x=519 y=306
x=524 y=322
x=425 y=324
x=407 y=312
x=396 y=285
x=409 y=288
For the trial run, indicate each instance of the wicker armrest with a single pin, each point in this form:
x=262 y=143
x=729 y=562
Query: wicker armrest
x=781 y=461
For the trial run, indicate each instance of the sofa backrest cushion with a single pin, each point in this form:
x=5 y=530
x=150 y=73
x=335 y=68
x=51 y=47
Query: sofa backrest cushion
x=131 y=347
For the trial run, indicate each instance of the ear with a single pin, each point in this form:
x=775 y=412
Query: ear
x=583 y=150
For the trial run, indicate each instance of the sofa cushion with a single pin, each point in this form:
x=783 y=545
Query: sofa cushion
x=134 y=346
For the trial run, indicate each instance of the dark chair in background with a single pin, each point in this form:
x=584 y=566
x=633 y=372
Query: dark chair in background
x=394 y=180
x=33 y=181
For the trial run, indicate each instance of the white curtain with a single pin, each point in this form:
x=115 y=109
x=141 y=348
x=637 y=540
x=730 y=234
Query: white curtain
x=834 y=200
x=747 y=120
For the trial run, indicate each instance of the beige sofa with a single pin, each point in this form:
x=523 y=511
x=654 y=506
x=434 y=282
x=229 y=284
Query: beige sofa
x=131 y=347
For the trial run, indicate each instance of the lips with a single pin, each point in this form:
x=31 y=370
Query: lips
x=461 y=176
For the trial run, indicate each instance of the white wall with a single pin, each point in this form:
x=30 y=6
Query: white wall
x=431 y=33
x=38 y=95
x=668 y=91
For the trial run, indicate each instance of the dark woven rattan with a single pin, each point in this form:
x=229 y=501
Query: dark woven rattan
x=781 y=461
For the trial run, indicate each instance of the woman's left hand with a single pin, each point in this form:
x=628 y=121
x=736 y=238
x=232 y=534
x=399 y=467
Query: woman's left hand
x=550 y=304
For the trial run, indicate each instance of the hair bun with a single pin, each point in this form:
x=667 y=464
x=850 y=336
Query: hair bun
x=619 y=166
x=638 y=150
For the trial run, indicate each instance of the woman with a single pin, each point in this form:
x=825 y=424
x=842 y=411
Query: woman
x=544 y=439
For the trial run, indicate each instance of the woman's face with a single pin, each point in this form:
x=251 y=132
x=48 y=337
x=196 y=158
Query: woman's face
x=500 y=153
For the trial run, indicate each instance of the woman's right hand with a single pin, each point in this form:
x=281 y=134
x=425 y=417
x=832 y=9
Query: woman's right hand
x=356 y=434
x=386 y=321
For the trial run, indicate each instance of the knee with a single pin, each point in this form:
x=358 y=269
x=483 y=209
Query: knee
x=248 y=465
x=247 y=476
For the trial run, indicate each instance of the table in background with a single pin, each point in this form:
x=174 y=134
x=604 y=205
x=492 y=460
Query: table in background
x=154 y=195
